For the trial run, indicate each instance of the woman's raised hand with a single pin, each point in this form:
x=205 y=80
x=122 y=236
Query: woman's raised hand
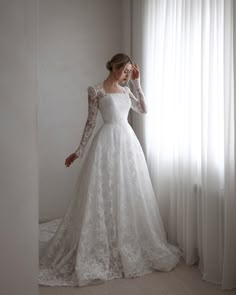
x=70 y=159
x=135 y=72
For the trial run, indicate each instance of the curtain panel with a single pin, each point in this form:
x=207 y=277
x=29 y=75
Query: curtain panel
x=188 y=135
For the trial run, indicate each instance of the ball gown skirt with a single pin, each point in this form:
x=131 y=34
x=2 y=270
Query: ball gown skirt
x=112 y=226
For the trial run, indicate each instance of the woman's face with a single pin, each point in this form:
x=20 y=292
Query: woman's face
x=123 y=74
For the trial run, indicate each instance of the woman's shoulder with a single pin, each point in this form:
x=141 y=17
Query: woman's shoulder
x=126 y=88
x=96 y=90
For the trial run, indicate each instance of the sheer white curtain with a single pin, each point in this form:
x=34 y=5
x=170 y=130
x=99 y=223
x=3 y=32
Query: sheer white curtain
x=187 y=63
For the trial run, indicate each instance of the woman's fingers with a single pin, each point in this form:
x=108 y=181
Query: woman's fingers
x=71 y=159
x=135 y=72
x=135 y=67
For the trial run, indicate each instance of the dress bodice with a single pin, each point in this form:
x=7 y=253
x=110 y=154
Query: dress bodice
x=114 y=107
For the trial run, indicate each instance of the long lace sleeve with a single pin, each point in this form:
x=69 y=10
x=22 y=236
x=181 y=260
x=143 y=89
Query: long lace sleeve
x=137 y=102
x=91 y=120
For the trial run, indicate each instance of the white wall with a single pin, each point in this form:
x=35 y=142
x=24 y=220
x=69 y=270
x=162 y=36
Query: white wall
x=75 y=39
x=18 y=157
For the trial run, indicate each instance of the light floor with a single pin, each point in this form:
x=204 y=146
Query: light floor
x=184 y=280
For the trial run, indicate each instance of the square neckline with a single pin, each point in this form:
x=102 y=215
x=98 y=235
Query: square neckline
x=123 y=90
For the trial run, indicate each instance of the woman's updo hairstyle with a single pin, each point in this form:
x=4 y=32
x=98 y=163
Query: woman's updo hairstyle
x=119 y=60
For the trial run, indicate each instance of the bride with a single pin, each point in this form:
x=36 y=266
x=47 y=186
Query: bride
x=112 y=227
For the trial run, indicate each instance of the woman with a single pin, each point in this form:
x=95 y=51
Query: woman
x=112 y=228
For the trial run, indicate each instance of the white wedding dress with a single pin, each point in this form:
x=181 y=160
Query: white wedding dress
x=112 y=227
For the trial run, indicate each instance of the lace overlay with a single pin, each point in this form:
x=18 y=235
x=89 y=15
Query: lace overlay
x=137 y=103
x=91 y=120
x=112 y=226
x=94 y=95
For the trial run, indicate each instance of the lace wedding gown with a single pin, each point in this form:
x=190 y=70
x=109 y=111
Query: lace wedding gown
x=112 y=227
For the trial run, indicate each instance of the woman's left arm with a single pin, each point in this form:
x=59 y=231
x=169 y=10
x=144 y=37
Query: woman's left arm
x=138 y=103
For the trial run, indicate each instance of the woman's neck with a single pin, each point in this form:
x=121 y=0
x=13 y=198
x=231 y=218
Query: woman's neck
x=111 y=82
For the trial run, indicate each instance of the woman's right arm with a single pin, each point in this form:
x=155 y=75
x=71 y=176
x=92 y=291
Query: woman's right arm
x=89 y=126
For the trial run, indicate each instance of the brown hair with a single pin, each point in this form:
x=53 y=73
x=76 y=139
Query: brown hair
x=119 y=60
